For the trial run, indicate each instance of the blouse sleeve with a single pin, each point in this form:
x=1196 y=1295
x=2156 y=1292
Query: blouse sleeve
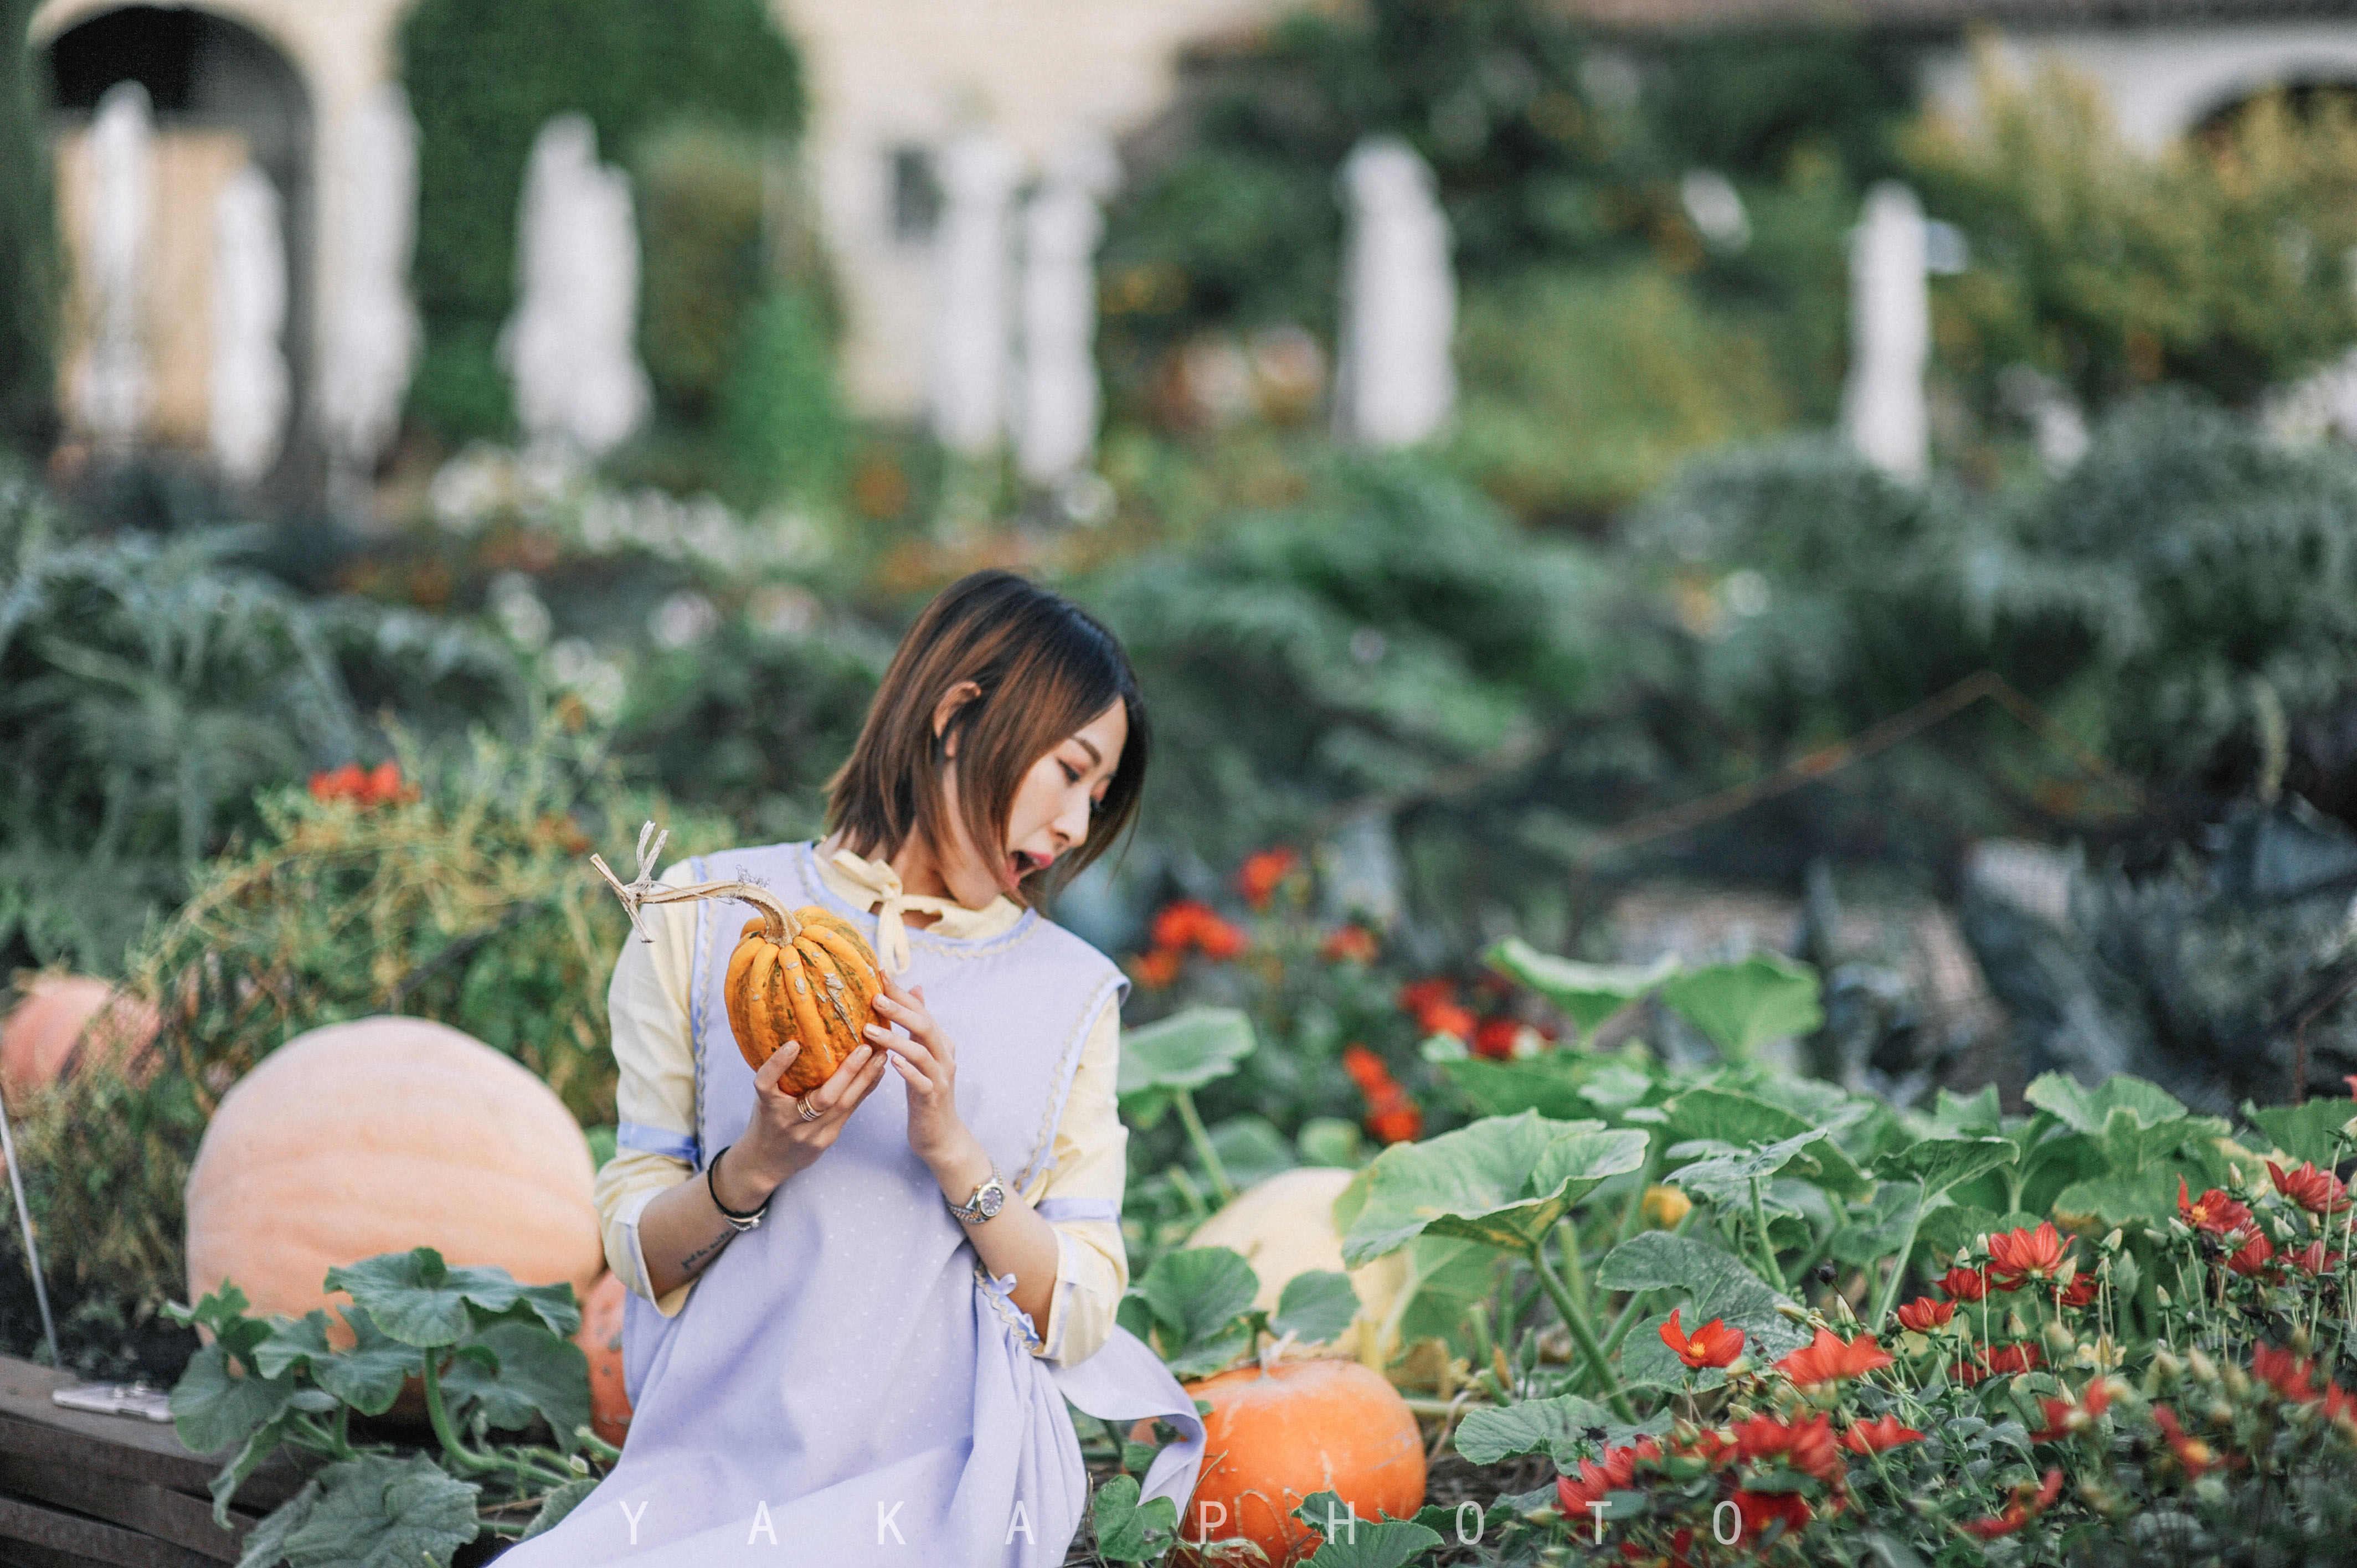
x=647 y=1007
x=1079 y=1194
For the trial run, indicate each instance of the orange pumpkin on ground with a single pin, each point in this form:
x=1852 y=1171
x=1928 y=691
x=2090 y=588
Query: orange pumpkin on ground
x=803 y=975
x=601 y=1339
x=380 y=1135
x=1274 y=1436
x=68 y=1017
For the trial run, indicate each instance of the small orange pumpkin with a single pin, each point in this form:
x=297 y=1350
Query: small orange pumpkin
x=69 y=1018
x=804 y=975
x=1278 y=1434
x=601 y=1339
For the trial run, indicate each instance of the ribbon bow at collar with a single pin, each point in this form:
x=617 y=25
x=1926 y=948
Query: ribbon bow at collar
x=891 y=937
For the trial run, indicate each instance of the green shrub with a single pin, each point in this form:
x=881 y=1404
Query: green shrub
x=484 y=78
x=1582 y=389
x=782 y=423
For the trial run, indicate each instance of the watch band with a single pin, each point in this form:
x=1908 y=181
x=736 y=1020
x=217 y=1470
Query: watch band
x=738 y=1220
x=971 y=1210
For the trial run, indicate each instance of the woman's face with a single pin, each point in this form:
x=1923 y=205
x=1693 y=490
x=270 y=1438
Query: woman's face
x=1050 y=814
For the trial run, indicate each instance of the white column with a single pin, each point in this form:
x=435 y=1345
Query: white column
x=370 y=344
x=571 y=345
x=247 y=390
x=117 y=388
x=1890 y=334
x=1058 y=399
x=972 y=336
x=1394 y=381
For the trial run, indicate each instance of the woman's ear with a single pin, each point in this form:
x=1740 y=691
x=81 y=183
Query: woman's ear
x=953 y=699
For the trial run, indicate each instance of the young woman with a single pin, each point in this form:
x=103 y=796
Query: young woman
x=857 y=1315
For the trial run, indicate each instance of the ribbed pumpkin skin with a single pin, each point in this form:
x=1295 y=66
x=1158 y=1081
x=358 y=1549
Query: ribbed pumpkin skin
x=376 y=1136
x=817 y=987
x=64 y=1016
x=601 y=1339
x=1274 y=1437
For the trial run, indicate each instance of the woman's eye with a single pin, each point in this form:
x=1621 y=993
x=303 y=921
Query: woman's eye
x=1071 y=774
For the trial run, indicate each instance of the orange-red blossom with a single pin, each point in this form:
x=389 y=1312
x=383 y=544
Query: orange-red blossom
x=1711 y=1345
x=2215 y=1211
x=2318 y=1192
x=1875 y=1436
x=2024 y=1255
x=365 y=788
x=2026 y=1504
x=1923 y=1314
x=1263 y=873
x=1828 y=1358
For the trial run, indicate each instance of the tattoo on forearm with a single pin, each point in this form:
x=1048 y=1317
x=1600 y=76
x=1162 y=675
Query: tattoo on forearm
x=690 y=1264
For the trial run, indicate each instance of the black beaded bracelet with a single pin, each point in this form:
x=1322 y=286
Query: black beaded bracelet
x=744 y=1220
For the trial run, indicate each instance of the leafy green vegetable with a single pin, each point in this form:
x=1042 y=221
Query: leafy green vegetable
x=1127 y=1531
x=1586 y=993
x=1354 y=1543
x=1741 y=1007
x=1503 y=1181
x=376 y=1512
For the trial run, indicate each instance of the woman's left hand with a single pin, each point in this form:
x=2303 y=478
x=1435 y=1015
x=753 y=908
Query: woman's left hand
x=926 y=1060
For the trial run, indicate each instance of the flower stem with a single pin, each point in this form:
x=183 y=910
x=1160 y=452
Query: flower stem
x=1202 y=1142
x=1769 y=1271
x=1583 y=1334
x=1882 y=1308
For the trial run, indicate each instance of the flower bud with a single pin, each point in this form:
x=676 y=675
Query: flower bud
x=2160 y=1293
x=2203 y=1368
x=2015 y=1327
x=2220 y=1413
x=2300 y=1341
x=2060 y=1344
x=1666 y=1207
x=2237 y=1384
x=1793 y=1311
x=2111 y=1243
x=1840 y=1308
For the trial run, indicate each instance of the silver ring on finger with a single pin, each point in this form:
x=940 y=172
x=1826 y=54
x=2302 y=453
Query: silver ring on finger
x=808 y=1111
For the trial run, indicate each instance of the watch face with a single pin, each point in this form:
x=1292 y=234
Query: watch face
x=990 y=1200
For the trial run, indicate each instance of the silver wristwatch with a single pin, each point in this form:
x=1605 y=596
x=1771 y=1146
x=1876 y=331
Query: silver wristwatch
x=987 y=1200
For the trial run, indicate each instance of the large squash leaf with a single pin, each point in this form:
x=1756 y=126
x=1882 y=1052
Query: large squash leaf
x=1503 y=1181
x=1716 y=1284
x=1355 y=1542
x=213 y=1406
x=1315 y=1307
x=1586 y=993
x=1567 y=1428
x=531 y=1372
x=368 y=1377
x=1551 y=1084
x=376 y=1512
x=1186 y=1050
x=1128 y=1531
x=1941 y=1163
x=419 y=1300
x=2085 y=1110
x=1741 y=1007
x=1198 y=1299
x=2304 y=1132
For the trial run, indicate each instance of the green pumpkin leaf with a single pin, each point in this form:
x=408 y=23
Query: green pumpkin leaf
x=1879 y=1233
x=265 y=1543
x=1558 y=1427
x=1741 y=1007
x=1251 y=1149
x=367 y=1376
x=1949 y=1229
x=1329 y=1141
x=2305 y=1132
x=1502 y=1181
x=376 y=1512
x=1955 y=1116
x=213 y=1406
x=533 y=1372
x=1728 y=1116
x=1550 y=1084
x=560 y=1502
x=1315 y=1307
x=1941 y=1163
x=1737 y=1121
x=1586 y=993
x=419 y=1300
x=1352 y=1540
x=1127 y=1531
x=1200 y=1297
x=259 y=1444
x=1716 y=1284
x=2084 y=1109
x=1186 y=1050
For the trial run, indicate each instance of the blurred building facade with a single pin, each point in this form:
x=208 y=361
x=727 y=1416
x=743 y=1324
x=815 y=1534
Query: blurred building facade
x=277 y=84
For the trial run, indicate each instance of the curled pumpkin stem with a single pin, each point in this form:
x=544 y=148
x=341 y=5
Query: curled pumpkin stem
x=777 y=922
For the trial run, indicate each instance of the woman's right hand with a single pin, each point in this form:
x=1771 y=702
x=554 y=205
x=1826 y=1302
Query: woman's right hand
x=779 y=1140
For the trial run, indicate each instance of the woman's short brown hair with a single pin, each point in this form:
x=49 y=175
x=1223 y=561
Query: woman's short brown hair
x=1046 y=667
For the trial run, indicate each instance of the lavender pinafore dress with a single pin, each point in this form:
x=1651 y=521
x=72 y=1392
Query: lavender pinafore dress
x=843 y=1385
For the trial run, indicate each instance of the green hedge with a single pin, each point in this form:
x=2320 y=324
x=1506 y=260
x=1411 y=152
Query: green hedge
x=29 y=250
x=483 y=77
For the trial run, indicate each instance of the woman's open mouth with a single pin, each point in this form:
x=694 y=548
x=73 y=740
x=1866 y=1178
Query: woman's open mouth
x=1026 y=863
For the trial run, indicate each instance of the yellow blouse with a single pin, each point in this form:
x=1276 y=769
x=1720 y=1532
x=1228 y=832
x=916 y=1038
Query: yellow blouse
x=648 y=1006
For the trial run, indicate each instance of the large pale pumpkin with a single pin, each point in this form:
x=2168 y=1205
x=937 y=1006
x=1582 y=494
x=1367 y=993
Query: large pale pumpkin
x=1284 y=1226
x=601 y=1339
x=805 y=975
x=1276 y=1435
x=68 y=1017
x=378 y=1136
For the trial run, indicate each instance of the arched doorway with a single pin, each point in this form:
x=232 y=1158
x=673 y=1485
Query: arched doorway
x=221 y=96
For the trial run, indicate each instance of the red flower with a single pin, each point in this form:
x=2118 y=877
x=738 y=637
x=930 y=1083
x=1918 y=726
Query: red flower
x=2004 y=1361
x=2021 y=1255
x=1875 y=1436
x=1156 y=969
x=1189 y=923
x=1263 y=873
x=1761 y=1509
x=1923 y=1314
x=1617 y=1474
x=1350 y=944
x=1807 y=1446
x=1711 y=1345
x=2292 y=1377
x=1218 y=941
x=2253 y=1257
x=1395 y=1120
x=1828 y=1359
x=1366 y=1070
x=2078 y=1293
x=2026 y=1504
x=1498 y=1037
x=1963 y=1284
x=2191 y=1452
x=2318 y=1192
x=2058 y=1412
x=377 y=785
x=2213 y=1211
x=1432 y=1004
x=2313 y=1259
